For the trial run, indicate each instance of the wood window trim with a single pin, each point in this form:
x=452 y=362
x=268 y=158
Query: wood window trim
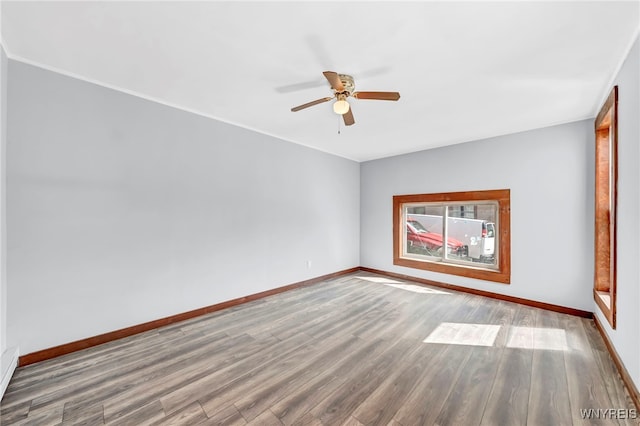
x=502 y=196
x=606 y=194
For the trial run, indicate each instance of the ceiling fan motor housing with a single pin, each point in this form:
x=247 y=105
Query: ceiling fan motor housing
x=347 y=83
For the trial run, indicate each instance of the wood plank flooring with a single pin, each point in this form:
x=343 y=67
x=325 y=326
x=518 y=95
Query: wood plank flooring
x=355 y=350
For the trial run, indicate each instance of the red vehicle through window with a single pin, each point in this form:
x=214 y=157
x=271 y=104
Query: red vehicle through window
x=420 y=240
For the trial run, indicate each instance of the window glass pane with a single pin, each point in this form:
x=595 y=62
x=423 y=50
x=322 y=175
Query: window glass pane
x=424 y=230
x=465 y=210
x=471 y=233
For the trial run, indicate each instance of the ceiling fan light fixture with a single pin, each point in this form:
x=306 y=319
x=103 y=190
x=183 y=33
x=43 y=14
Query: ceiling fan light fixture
x=341 y=107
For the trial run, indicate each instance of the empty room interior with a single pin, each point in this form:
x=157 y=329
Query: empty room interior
x=320 y=213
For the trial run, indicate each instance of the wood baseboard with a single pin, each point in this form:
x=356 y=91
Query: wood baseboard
x=624 y=374
x=67 y=348
x=78 y=345
x=533 y=303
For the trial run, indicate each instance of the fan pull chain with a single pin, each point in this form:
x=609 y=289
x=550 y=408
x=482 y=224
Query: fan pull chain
x=339 y=118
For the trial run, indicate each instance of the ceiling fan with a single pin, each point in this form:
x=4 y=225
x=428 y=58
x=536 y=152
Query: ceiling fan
x=343 y=87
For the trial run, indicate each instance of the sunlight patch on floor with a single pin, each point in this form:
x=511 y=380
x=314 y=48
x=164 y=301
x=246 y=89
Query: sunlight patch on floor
x=554 y=339
x=417 y=288
x=381 y=280
x=452 y=333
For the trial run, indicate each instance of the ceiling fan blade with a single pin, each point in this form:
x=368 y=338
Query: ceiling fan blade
x=295 y=87
x=382 y=96
x=312 y=103
x=334 y=80
x=348 y=118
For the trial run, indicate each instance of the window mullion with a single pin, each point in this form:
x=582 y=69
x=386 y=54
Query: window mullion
x=445 y=232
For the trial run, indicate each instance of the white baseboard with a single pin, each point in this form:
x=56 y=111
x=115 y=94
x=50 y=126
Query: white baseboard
x=8 y=365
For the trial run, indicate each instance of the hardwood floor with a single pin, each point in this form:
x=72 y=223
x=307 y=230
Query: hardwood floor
x=356 y=350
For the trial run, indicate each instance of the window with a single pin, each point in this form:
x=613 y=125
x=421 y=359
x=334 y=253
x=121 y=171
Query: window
x=474 y=225
x=606 y=176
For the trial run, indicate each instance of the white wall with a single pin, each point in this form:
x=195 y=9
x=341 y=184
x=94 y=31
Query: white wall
x=549 y=172
x=3 y=181
x=123 y=211
x=626 y=337
x=8 y=355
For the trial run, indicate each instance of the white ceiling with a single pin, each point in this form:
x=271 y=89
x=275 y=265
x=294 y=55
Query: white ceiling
x=465 y=70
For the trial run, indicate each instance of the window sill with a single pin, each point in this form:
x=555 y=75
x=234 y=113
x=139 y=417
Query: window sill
x=460 y=270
